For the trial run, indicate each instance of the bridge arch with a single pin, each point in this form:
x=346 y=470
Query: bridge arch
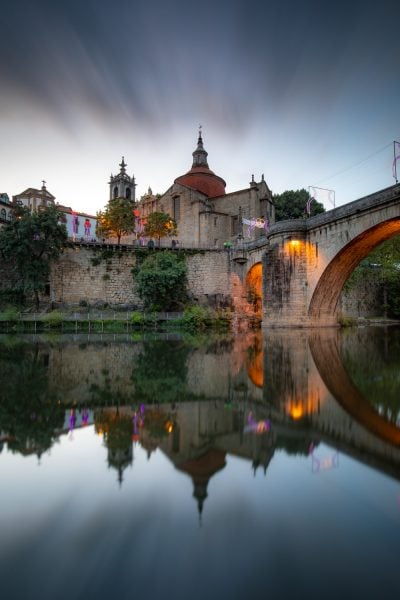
x=254 y=286
x=325 y=299
x=307 y=261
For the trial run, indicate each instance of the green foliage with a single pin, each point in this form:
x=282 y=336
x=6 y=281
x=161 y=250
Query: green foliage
x=29 y=412
x=375 y=370
x=382 y=268
x=292 y=205
x=160 y=372
x=10 y=314
x=196 y=317
x=345 y=321
x=160 y=225
x=117 y=219
x=28 y=243
x=137 y=318
x=53 y=319
x=161 y=281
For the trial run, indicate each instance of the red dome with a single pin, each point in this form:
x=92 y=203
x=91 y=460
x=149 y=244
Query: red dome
x=200 y=177
x=204 y=181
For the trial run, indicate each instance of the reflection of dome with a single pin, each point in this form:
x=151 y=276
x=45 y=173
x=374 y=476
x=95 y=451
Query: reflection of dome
x=200 y=177
x=201 y=470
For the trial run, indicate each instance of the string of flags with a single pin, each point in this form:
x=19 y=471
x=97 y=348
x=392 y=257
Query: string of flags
x=252 y=223
x=318 y=194
x=328 y=196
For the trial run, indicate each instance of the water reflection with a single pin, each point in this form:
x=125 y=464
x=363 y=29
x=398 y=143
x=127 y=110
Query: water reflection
x=246 y=395
x=202 y=462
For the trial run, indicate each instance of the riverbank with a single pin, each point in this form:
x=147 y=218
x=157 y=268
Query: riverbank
x=110 y=321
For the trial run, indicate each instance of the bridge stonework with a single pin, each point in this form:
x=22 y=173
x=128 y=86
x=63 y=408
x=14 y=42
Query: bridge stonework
x=307 y=262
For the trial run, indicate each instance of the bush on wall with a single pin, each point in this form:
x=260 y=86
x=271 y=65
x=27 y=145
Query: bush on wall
x=161 y=281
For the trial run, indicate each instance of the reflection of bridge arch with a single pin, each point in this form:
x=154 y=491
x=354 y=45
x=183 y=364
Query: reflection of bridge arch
x=327 y=292
x=325 y=352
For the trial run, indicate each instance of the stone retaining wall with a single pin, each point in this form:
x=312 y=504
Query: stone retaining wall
x=82 y=275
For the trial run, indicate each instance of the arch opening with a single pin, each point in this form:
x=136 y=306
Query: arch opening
x=325 y=300
x=254 y=287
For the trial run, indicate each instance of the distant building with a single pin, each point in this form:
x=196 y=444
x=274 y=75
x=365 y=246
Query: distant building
x=121 y=185
x=80 y=226
x=205 y=214
x=34 y=199
x=5 y=209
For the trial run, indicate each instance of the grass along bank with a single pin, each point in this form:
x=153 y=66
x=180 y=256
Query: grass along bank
x=96 y=321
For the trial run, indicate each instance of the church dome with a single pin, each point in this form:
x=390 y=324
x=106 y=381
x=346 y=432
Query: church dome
x=200 y=177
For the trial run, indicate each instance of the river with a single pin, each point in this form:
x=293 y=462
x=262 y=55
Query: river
x=207 y=466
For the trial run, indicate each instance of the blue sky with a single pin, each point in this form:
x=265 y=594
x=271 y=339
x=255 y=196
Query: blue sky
x=306 y=92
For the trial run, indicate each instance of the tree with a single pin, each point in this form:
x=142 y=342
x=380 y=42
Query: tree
x=161 y=280
x=29 y=411
x=382 y=268
x=28 y=244
x=160 y=225
x=117 y=219
x=160 y=372
x=292 y=205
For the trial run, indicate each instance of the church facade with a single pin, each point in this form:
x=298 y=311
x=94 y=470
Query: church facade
x=206 y=216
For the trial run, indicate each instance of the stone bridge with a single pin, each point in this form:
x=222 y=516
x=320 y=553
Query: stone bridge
x=305 y=263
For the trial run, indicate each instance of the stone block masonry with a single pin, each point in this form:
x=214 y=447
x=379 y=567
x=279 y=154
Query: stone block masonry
x=84 y=274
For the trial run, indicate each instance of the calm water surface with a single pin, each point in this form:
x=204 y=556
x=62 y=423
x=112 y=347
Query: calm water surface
x=201 y=467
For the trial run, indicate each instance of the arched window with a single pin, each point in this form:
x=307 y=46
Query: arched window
x=128 y=193
x=177 y=208
x=115 y=192
x=3 y=214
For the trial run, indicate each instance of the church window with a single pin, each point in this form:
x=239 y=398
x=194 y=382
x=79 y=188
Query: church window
x=235 y=225
x=177 y=208
x=128 y=193
x=3 y=214
x=115 y=192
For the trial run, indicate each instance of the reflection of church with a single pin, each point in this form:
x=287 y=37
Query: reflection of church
x=205 y=214
x=203 y=435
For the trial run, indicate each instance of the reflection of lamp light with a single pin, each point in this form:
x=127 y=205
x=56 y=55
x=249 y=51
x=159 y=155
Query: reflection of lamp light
x=169 y=426
x=296 y=412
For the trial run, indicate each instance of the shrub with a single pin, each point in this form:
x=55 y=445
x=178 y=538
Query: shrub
x=11 y=314
x=53 y=319
x=196 y=317
x=161 y=281
x=137 y=318
x=347 y=321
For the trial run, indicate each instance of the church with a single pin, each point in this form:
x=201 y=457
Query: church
x=206 y=216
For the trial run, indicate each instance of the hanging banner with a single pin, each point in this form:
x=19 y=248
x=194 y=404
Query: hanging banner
x=253 y=223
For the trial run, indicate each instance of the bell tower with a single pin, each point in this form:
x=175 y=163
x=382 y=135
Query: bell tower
x=121 y=185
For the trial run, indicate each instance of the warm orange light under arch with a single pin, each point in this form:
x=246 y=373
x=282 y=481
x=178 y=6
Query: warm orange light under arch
x=254 y=286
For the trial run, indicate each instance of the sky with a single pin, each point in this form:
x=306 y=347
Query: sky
x=305 y=92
